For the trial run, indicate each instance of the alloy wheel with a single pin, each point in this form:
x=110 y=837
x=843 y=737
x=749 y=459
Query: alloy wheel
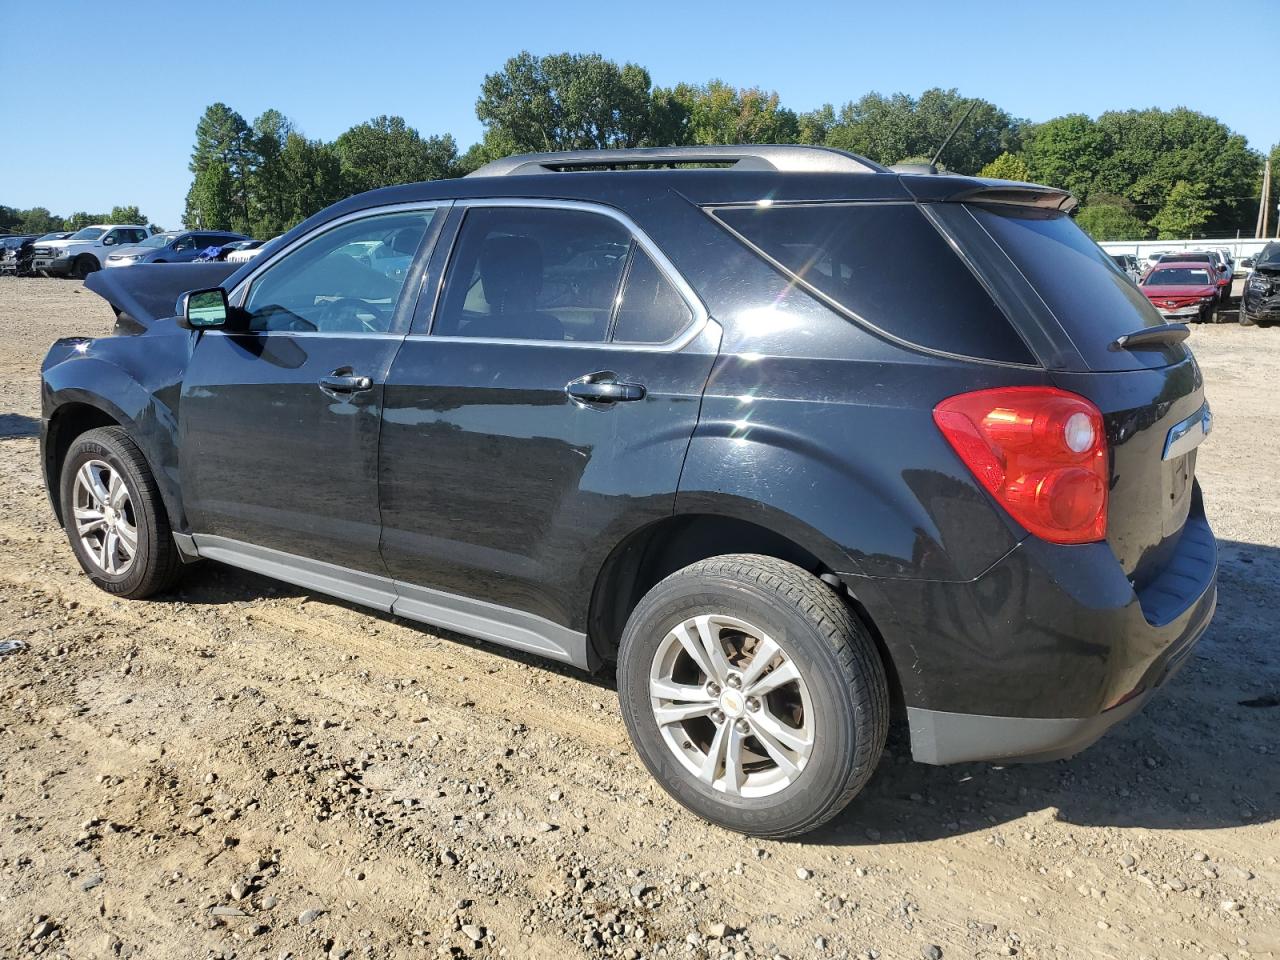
x=104 y=517
x=731 y=706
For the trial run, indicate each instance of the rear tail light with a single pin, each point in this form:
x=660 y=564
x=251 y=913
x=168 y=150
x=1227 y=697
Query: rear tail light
x=1041 y=452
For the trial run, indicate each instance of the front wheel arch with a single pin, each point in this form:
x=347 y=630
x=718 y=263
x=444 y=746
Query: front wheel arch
x=68 y=422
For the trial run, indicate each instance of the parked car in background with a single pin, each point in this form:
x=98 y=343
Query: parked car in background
x=1128 y=262
x=85 y=250
x=1214 y=259
x=217 y=253
x=1184 y=291
x=26 y=252
x=705 y=423
x=174 y=246
x=10 y=247
x=247 y=252
x=1260 y=302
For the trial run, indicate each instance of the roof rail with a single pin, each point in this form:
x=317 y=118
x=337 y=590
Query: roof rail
x=789 y=158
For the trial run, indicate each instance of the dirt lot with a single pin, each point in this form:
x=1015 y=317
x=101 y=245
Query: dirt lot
x=245 y=770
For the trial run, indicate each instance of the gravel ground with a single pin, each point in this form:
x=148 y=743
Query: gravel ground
x=242 y=769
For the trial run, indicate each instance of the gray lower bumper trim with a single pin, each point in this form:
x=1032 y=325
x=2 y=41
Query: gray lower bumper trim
x=941 y=737
x=477 y=618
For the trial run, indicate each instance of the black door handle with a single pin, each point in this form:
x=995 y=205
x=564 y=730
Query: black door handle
x=604 y=388
x=344 y=384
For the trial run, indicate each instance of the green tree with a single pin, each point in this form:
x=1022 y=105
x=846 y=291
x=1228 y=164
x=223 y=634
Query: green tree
x=890 y=129
x=125 y=215
x=1111 y=221
x=1149 y=152
x=311 y=172
x=39 y=220
x=224 y=140
x=386 y=151
x=1007 y=166
x=268 y=187
x=80 y=219
x=719 y=113
x=1066 y=152
x=569 y=101
x=212 y=202
x=1187 y=210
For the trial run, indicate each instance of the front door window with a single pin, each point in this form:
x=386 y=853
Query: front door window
x=347 y=280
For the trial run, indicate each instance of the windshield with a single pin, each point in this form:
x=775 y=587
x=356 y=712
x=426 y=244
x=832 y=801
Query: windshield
x=1179 y=277
x=159 y=240
x=1269 y=257
x=88 y=233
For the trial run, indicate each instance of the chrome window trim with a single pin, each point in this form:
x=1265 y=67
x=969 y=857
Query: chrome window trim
x=690 y=333
x=240 y=290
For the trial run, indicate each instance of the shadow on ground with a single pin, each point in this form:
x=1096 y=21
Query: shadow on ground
x=15 y=425
x=1201 y=755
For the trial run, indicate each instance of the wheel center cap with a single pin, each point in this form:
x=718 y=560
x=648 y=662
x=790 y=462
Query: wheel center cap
x=733 y=703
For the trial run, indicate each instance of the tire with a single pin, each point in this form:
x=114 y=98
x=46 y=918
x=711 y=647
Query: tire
x=838 y=704
x=85 y=265
x=154 y=564
x=1245 y=319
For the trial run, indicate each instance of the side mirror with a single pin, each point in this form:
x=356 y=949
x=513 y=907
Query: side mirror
x=1247 y=262
x=204 y=309
x=108 y=241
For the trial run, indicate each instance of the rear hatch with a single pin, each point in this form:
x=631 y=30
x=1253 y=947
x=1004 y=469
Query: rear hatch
x=1081 y=310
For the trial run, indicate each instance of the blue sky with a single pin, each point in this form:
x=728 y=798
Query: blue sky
x=101 y=99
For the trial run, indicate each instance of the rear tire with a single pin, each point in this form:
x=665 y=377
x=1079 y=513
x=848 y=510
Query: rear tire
x=114 y=517
x=772 y=748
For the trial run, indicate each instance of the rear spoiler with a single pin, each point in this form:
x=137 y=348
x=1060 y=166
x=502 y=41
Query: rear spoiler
x=146 y=292
x=974 y=190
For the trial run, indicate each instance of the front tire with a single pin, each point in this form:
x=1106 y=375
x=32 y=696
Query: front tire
x=84 y=266
x=753 y=694
x=114 y=517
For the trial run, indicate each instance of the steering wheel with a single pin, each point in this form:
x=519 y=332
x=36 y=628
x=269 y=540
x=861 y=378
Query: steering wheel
x=344 y=316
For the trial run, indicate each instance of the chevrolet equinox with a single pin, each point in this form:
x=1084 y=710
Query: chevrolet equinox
x=796 y=441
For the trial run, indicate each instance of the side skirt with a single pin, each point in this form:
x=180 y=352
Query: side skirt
x=476 y=618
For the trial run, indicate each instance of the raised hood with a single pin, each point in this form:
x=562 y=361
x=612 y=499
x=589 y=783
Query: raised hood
x=149 y=292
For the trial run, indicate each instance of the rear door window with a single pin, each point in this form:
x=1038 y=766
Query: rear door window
x=533 y=274
x=1090 y=298
x=888 y=267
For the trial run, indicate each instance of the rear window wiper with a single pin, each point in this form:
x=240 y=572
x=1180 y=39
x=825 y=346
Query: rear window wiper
x=1156 y=336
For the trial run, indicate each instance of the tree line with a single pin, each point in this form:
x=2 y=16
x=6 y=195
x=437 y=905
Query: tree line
x=38 y=220
x=1138 y=173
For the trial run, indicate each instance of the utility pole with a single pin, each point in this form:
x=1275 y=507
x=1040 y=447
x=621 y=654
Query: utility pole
x=1264 y=208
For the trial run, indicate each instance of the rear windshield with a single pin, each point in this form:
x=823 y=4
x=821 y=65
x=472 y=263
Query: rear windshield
x=887 y=266
x=1090 y=297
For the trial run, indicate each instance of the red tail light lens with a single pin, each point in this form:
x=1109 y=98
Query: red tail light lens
x=1041 y=453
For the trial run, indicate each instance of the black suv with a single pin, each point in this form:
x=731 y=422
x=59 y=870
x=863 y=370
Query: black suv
x=1260 y=302
x=793 y=439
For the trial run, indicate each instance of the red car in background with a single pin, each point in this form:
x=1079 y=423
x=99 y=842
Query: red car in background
x=1221 y=267
x=1183 y=291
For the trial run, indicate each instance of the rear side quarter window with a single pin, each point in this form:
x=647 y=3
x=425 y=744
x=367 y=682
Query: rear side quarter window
x=886 y=266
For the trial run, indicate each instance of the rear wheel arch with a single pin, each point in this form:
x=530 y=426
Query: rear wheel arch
x=650 y=554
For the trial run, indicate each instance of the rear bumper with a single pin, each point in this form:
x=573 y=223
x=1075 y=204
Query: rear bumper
x=940 y=737
x=1046 y=651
